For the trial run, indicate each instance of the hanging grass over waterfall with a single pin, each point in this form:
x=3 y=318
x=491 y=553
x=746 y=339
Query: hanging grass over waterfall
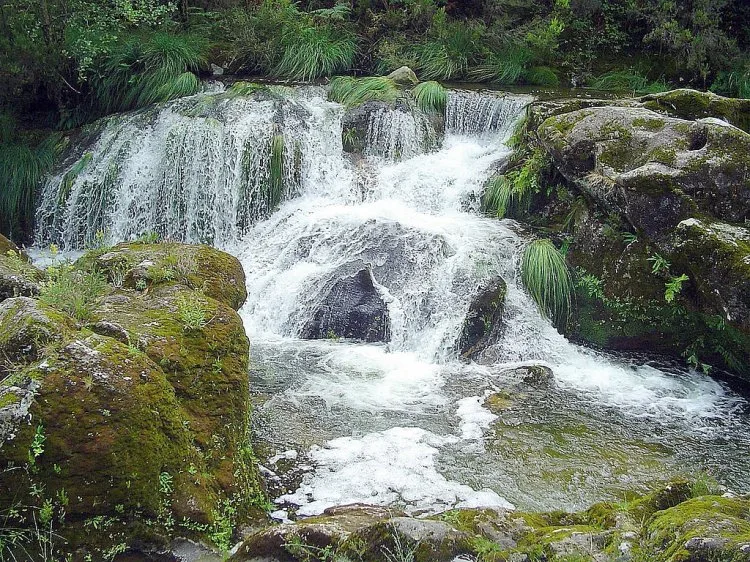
x=431 y=97
x=276 y=172
x=510 y=194
x=156 y=67
x=352 y=92
x=546 y=276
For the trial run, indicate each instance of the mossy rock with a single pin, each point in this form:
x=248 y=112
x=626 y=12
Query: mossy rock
x=653 y=170
x=707 y=528
x=135 y=265
x=483 y=324
x=692 y=104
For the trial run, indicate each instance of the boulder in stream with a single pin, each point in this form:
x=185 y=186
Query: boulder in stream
x=352 y=309
x=483 y=325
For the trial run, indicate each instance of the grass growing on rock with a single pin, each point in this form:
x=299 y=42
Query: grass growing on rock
x=546 y=276
x=352 y=92
x=431 y=97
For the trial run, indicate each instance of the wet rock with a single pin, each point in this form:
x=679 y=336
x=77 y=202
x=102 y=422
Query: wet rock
x=404 y=76
x=533 y=376
x=483 y=325
x=717 y=257
x=27 y=326
x=353 y=309
x=356 y=125
x=653 y=170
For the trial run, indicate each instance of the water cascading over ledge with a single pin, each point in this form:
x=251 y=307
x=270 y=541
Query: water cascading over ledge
x=205 y=168
x=199 y=169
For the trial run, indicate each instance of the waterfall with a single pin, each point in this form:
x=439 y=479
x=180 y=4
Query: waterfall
x=402 y=423
x=198 y=169
x=476 y=113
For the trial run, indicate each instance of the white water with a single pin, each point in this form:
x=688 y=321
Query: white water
x=403 y=423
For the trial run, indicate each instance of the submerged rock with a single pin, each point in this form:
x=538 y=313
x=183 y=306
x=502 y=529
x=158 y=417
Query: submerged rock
x=353 y=309
x=483 y=325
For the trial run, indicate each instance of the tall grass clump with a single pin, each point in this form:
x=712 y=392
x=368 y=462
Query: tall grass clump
x=546 y=276
x=356 y=91
x=23 y=166
x=629 y=81
x=430 y=97
x=513 y=64
x=72 y=291
x=315 y=51
x=734 y=83
x=151 y=68
x=451 y=48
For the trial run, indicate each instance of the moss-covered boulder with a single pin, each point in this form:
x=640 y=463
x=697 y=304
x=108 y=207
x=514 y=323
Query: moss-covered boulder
x=135 y=426
x=706 y=528
x=692 y=104
x=139 y=266
x=653 y=170
x=17 y=276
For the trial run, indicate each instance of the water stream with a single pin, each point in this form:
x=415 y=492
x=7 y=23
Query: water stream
x=402 y=423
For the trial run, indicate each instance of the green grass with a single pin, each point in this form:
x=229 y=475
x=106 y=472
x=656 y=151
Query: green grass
x=150 y=68
x=71 y=291
x=510 y=194
x=314 y=52
x=735 y=83
x=546 y=276
x=430 y=97
x=451 y=49
x=245 y=88
x=507 y=67
x=23 y=166
x=276 y=172
x=352 y=92
x=629 y=81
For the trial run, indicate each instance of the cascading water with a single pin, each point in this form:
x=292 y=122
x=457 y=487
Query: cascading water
x=402 y=423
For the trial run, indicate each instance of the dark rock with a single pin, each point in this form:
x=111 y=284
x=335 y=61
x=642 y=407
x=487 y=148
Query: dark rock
x=352 y=309
x=483 y=325
x=18 y=278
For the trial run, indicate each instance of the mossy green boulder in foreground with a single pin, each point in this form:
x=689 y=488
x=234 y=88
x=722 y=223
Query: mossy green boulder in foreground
x=673 y=524
x=653 y=197
x=129 y=424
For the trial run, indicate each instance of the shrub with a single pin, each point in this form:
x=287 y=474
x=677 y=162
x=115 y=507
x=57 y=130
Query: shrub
x=546 y=276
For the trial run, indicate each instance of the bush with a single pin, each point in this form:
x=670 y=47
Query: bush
x=451 y=48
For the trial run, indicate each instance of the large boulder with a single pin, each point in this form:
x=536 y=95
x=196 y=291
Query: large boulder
x=352 y=309
x=483 y=324
x=404 y=76
x=653 y=170
x=138 y=420
x=135 y=265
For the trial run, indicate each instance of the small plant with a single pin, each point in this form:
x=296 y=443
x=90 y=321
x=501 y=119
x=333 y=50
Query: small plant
x=192 y=312
x=148 y=237
x=673 y=287
x=659 y=264
x=72 y=291
x=547 y=279
x=36 y=449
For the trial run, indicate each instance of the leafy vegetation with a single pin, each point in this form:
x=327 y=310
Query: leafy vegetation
x=546 y=276
x=431 y=97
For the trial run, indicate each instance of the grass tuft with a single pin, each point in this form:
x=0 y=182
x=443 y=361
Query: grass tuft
x=546 y=276
x=313 y=52
x=352 y=92
x=629 y=81
x=431 y=97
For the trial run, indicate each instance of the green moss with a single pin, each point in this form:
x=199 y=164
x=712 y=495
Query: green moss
x=650 y=124
x=664 y=155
